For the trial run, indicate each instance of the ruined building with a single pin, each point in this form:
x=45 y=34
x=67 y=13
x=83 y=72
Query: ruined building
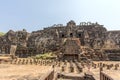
x=88 y=40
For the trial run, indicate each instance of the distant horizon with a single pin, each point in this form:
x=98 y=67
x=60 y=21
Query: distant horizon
x=59 y=23
x=63 y=25
x=35 y=15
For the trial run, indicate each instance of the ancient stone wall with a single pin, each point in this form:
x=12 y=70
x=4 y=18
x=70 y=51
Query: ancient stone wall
x=91 y=36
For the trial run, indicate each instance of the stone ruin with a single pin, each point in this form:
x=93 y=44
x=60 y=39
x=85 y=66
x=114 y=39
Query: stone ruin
x=83 y=41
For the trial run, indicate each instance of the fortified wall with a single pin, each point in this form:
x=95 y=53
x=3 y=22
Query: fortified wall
x=88 y=40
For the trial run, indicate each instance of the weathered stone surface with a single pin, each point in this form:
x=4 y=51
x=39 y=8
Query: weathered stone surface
x=87 y=40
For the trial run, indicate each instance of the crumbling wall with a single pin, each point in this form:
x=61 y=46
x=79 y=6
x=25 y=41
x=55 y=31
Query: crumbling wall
x=91 y=36
x=11 y=39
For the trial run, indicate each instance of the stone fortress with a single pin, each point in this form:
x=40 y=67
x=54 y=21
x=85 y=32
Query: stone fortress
x=86 y=40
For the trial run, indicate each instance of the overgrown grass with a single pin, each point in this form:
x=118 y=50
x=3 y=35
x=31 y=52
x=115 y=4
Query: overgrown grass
x=49 y=55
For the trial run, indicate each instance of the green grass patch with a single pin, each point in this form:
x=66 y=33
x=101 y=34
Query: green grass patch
x=49 y=55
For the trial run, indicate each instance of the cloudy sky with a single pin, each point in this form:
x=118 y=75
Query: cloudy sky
x=36 y=14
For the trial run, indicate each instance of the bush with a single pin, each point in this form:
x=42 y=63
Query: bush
x=1 y=33
x=45 y=56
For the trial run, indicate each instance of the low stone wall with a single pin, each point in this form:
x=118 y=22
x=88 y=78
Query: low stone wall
x=48 y=76
x=104 y=76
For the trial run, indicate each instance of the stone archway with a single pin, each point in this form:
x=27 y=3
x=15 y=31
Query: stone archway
x=71 y=34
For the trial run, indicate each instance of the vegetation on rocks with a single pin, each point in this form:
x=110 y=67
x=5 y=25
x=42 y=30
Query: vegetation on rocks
x=1 y=33
x=49 y=55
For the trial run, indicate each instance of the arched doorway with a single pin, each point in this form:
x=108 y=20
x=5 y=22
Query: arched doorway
x=71 y=34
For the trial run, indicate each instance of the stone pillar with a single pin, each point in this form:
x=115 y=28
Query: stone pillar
x=13 y=49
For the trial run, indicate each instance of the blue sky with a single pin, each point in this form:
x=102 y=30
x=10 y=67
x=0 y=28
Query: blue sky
x=34 y=15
